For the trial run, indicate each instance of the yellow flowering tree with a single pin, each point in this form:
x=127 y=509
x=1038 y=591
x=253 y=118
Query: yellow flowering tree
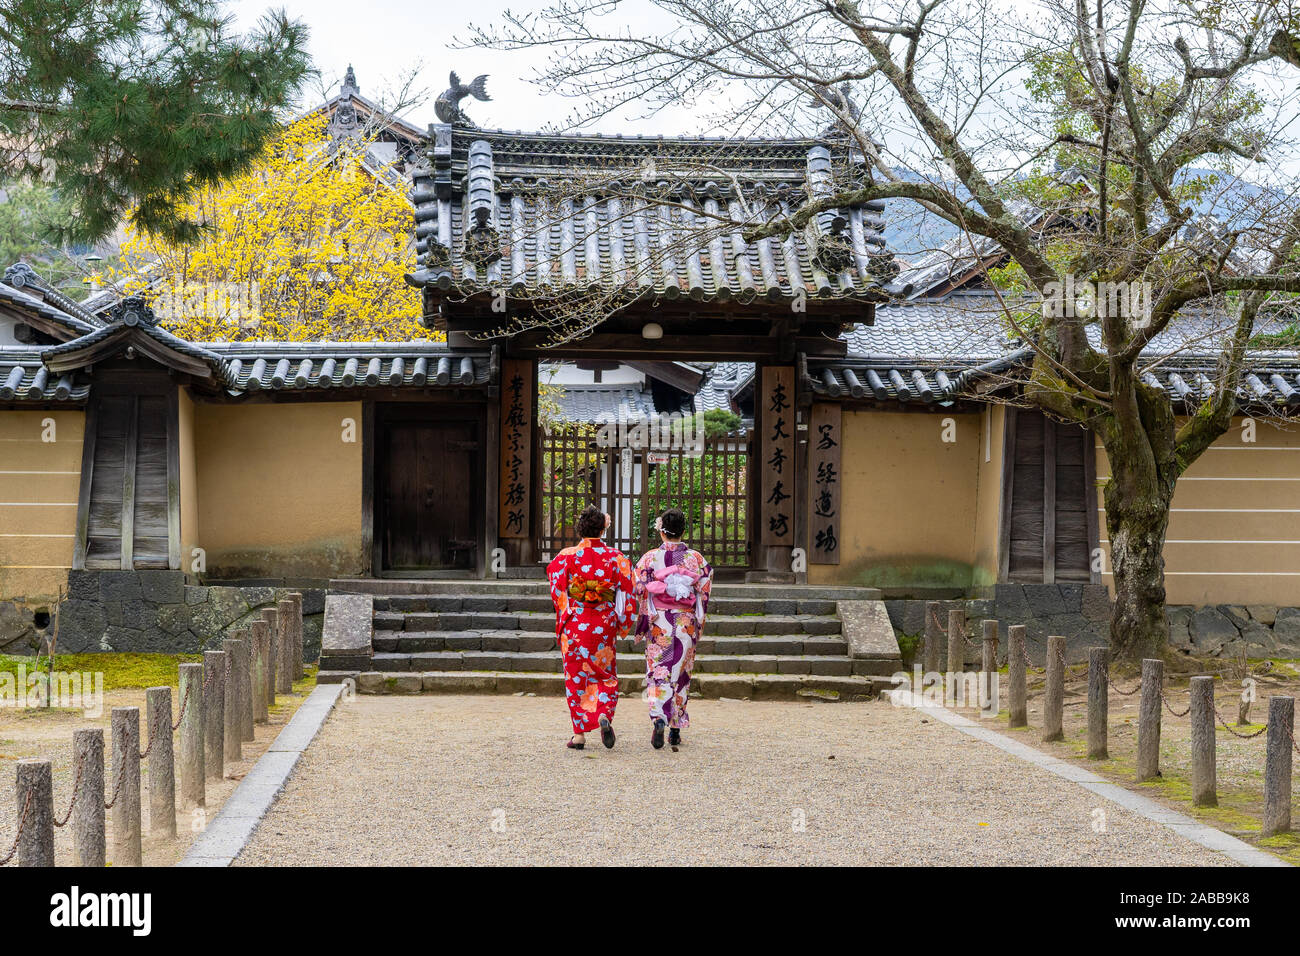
x=310 y=244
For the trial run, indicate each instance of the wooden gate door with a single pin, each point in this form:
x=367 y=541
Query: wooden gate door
x=635 y=485
x=129 y=508
x=429 y=493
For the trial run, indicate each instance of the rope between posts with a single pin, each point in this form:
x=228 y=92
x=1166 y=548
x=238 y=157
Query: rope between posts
x=943 y=630
x=76 y=792
x=1116 y=688
x=1235 y=733
x=153 y=734
x=1295 y=745
x=117 y=789
x=969 y=642
x=1290 y=736
x=1065 y=668
x=22 y=820
x=185 y=702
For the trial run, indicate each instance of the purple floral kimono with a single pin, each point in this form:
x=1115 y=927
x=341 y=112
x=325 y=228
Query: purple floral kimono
x=672 y=585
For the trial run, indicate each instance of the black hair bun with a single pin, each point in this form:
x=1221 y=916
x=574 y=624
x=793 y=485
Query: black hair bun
x=591 y=523
x=673 y=522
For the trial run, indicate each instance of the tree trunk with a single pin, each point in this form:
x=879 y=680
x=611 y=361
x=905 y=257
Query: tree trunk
x=1138 y=627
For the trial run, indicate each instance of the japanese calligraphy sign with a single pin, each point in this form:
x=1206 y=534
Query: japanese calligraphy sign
x=518 y=391
x=825 y=441
x=777 y=429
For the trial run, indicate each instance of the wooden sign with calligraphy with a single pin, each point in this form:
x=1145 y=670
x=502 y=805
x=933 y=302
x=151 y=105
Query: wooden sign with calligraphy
x=777 y=423
x=825 y=445
x=518 y=394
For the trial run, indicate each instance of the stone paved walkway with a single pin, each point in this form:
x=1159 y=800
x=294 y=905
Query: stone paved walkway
x=486 y=780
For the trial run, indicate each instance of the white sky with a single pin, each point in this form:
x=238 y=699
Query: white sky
x=383 y=38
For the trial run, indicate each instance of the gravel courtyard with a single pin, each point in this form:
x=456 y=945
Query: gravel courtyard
x=487 y=780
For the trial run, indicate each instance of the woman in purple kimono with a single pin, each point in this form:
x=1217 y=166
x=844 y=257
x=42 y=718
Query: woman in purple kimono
x=672 y=590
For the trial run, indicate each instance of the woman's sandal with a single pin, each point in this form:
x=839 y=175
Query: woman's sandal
x=573 y=746
x=657 y=738
x=606 y=733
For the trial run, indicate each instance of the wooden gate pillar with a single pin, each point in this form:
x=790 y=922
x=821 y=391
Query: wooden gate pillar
x=516 y=468
x=778 y=485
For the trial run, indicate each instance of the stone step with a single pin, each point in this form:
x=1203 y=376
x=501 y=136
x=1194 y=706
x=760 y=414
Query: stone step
x=415 y=586
x=719 y=625
x=630 y=664
x=409 y=642
x=541 y=603
x=463 y=586
x=703 y=686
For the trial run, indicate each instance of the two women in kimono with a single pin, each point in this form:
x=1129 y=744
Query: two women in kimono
x=597 y=596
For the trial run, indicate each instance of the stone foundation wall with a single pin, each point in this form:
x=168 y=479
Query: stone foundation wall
x=156 y=612
x=1081 y=613
x=1225 y=630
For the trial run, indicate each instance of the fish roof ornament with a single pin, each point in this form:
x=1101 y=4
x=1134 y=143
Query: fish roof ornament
x=447 y=106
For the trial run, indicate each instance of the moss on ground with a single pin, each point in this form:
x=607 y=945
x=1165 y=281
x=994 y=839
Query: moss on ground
x=119 y=670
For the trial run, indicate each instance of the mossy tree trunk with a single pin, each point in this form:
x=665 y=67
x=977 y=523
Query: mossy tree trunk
x=1137 y=428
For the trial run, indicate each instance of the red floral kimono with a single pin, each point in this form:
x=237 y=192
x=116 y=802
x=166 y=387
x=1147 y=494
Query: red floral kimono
x=591 y=587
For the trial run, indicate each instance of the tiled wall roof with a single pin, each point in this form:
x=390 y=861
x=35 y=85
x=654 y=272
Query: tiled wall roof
x=24 y=378
x=931 y=351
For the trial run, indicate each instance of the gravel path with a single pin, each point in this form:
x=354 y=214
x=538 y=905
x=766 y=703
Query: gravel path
x=486 y=780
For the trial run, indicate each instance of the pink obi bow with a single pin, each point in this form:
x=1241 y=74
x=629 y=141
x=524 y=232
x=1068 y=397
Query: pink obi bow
x=674 y=587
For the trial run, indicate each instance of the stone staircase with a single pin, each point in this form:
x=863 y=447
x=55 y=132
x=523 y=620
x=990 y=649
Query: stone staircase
x=498 y=636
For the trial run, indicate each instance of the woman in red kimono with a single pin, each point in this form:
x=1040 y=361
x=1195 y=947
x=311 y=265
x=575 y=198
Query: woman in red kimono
x=591 y=587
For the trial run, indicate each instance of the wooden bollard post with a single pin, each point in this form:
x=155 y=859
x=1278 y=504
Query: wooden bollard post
x=1054 y=693
x=1018 y=715
x=35 y=791
x=88 y=819
x=162 y=762
x=933 y=637
x=284 y=639
x=295 y=620
x=214 y=714
x=1204 y=775
x=1148 y=750
x=247 y=706
x=264 y=640
x=989 y=665
x=271 y=616
x=1277 y=766
x=193 y=789
x=258 y=673
x=956 y=652
x=232 y=731
x=126 y=786
x=1098 y=703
